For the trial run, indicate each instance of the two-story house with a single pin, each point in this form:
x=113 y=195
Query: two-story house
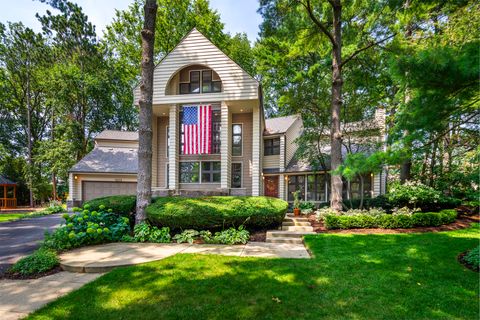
x=210 y=137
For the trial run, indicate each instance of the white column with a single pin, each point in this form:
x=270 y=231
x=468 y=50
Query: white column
x=256 y=165
x=154 y=150
x=225 y=146
x=281 y=165
x=71 y=187
x=281 y=187
x=173 y=156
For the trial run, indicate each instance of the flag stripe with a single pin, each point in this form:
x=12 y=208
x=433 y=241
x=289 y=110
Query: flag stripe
x=197 y=128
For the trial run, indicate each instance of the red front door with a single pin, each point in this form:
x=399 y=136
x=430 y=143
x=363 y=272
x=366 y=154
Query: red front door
x=271 y=186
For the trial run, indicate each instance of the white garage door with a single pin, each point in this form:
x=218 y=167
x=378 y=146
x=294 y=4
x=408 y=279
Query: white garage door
x=97 y=189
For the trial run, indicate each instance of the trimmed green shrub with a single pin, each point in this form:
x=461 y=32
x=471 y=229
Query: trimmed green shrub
x=123 y=205
x=390 y=221
x=41 y=260
x=87 y=227
x=216 y=212
x=473 y=258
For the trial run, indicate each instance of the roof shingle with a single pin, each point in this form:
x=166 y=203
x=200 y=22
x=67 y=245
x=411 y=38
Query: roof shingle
x=279 y=125
x=117 y=135
x=108 y=160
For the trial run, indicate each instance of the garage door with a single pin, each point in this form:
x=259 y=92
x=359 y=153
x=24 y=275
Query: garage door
x=97 y=189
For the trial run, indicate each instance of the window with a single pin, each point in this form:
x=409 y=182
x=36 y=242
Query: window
x=237 y=140
x=168 y=141
x=236 y=175
x=355 y=187
x=201 y=81
x=211 y=172
x=271 y=147
x=316 y=187
x=216 y=126
x=296 y=183
x=189 y=172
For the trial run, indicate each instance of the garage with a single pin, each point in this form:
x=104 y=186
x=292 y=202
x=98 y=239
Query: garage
x=97 y=189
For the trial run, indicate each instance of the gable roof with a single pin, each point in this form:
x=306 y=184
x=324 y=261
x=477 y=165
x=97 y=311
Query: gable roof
x=196 y=49
x=108 y=160
x=279 y=125
x=117 y=135
x=5 y=181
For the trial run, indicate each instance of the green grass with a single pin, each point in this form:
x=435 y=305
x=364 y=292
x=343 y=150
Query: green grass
x=5 y=217
x=392 y=276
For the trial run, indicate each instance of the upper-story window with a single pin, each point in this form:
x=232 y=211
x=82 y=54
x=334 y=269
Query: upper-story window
x=200 y=81
x=237 y=139
x=271 y=147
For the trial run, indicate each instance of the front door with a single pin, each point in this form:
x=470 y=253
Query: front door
x=271 y=186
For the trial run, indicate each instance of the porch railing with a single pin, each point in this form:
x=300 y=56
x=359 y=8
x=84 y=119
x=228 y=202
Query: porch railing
x=10 y=203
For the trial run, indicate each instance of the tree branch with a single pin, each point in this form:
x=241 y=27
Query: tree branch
x=317 y=22
x=354 y=54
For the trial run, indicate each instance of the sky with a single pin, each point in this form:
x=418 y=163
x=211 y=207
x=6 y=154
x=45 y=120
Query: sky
x=237 y=15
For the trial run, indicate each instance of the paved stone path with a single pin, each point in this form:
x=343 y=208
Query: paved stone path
x=103 y=258
x=20 y=297
x=20 y=238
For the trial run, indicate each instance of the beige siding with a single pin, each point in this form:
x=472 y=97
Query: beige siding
x=270 y=162
x=246 y=159
x=292 y=133
x=116 y=144
x=161 y=154
x=225 y=145
x=195 y=49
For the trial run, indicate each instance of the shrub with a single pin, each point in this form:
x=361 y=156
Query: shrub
x=41 y=260
x=53 y=207
x=389 y=221
x=323 y=212
x=143 y=232
x=87 y=227
x=413 y=194
x=473 y=258
x=229 y=236
x=216 y=212
x=122 y=205
x=186 y=236
x=307 y=205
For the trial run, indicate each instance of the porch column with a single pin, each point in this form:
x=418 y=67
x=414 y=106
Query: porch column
x=256 y=155
x=281 y=187
x=173 y=156
x=225 y=146
x=283 y=150
x=154 y=151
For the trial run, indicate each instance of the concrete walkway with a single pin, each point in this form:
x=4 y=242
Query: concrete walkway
x=18 y=298
x=103 y=258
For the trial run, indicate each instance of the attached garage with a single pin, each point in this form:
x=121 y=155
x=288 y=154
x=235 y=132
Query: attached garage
x=97 y=189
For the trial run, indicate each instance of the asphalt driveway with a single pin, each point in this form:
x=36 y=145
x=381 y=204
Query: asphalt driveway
x=21 y=237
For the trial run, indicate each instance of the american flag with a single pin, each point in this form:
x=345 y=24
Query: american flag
x=197 y=129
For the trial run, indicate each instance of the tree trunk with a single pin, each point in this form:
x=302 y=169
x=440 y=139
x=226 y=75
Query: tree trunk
x=337 y=83
x=144 y=177
x=54 y=176
x=432 y=164
x=361 y=190
x=29 y=142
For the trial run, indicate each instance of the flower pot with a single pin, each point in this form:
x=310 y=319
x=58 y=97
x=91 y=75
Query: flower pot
x=296 y=212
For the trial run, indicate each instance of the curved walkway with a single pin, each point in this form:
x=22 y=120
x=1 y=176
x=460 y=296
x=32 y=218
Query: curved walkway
x=102 y=258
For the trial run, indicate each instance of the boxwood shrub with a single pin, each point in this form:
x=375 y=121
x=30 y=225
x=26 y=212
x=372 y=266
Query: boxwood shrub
x=216 y=212
x=390 y=221
x=123 y=205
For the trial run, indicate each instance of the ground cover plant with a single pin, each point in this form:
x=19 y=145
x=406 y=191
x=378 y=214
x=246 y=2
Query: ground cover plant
x=389 y=276
x=472 y=258
x=218 y=212
x=40 y=261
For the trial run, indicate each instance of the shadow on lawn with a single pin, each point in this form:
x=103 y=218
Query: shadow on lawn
x=403 y=276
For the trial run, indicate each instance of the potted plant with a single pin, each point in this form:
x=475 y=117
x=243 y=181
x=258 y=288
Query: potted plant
x=296 y=203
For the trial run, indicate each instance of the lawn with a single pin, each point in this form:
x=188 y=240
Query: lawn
x=393 y=276
x=4 y=217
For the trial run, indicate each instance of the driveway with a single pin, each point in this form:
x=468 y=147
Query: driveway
x=21 y=237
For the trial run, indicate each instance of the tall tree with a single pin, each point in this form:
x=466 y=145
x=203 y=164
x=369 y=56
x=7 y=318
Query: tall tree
x=322 y=28
x=144 y=176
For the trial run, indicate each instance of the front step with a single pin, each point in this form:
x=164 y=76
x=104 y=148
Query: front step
x=292 y=219
x=292 y=223
x=285 y=240
x=297 y=228
x=287 y=234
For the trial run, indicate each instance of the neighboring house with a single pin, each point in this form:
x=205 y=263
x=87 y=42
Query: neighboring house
x=210 y=137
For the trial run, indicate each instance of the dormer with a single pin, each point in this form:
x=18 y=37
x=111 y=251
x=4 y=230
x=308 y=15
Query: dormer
x=194 y=79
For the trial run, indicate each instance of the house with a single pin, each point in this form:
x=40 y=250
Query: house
x=210 y=137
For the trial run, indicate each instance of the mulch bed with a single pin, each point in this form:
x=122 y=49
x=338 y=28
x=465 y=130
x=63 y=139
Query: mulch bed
x=461 y=223
x=258 y=236
x=18 y=276
x=461 y=259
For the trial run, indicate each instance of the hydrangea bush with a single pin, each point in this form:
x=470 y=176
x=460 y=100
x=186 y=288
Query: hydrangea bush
x=87 y=227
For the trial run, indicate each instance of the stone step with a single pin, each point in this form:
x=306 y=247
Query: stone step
x=292 y=223
x=292 y=219
x=284 y=240
x=297 y=228
x=288 y=234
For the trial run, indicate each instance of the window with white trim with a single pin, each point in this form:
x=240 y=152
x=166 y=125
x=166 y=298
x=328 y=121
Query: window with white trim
x=236 y=179
x=237 y=130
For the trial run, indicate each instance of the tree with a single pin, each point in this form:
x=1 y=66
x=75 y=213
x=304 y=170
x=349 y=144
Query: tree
x=321 y=29
x=144 y=176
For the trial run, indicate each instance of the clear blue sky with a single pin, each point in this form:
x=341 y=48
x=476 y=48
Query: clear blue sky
x=238 y=15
